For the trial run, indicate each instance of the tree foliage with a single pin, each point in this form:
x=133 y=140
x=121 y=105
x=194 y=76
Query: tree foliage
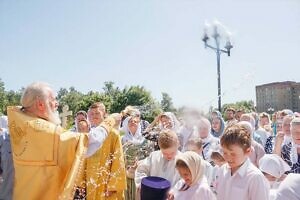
x=166 y=103
x=114 y=98
x=8 y=98
x=246 y=106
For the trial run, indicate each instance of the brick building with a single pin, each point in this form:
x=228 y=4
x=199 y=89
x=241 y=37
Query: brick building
x=277 y=96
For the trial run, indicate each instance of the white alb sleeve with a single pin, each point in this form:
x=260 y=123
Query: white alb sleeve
x=96 y=138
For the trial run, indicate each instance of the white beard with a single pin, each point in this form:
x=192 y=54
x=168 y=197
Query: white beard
x=53 y=116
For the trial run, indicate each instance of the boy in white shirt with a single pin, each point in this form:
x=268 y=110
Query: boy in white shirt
x=160 y=163
x=239 y=178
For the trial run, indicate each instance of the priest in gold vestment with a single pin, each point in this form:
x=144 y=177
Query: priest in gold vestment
x=105 y=169
x=48 y=161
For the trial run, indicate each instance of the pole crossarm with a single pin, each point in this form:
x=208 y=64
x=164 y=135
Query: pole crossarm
x=216 y=36
x=216 y=49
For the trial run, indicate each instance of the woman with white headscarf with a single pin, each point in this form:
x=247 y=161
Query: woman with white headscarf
x=164 y=121
x=132 y=130
x=193 y=184
x=135 y=148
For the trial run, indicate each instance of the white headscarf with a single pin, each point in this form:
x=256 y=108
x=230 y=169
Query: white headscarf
x=3 y=122
x=194 y=163
x=174 y=121
x=136 y=138
x=274 y=165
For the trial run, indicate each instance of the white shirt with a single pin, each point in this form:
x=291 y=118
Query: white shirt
x=199 y=191
x=247 y=183
x=289 y=188
x=156 y=165
x=287 y=140
x=97 y=136
x=208 y=142
x=208 y=171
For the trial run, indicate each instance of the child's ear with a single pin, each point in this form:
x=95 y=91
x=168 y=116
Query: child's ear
x=248 y=151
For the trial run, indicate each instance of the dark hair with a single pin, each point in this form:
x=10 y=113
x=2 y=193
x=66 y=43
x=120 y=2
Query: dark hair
x=181 y=164
x=97 y=105
x=264 y=114
x=81 y=112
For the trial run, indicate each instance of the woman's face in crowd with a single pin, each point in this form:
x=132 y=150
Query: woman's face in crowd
x=166 y=122
x=216 y=124
x=133 y=124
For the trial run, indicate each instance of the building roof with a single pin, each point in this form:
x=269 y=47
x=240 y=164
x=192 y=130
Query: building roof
x=278 y=83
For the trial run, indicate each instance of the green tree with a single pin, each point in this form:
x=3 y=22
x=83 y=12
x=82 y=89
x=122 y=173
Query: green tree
x=3 y=101
x=246 y=106
x=134 y=95
x=114 y=96
x=69 y=97
x=13 y=98
x=166 y=103
x=92 y=97
x=9 y=98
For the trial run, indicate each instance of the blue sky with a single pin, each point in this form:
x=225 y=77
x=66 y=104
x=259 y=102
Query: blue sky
x=153 y=43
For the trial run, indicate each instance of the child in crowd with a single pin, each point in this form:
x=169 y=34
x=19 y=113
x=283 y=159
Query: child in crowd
x=239 y=178
x=193 y=184
x=83 y=126
x=160 y=163
x=217 y=160
x=274 y=168
x=195 y=145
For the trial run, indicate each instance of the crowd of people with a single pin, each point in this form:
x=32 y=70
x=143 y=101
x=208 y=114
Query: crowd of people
x=243 y=156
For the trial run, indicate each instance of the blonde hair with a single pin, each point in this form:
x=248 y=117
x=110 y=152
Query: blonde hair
x=130 y=111
x=217 y=156
x=197 y=142
x=167 y=139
